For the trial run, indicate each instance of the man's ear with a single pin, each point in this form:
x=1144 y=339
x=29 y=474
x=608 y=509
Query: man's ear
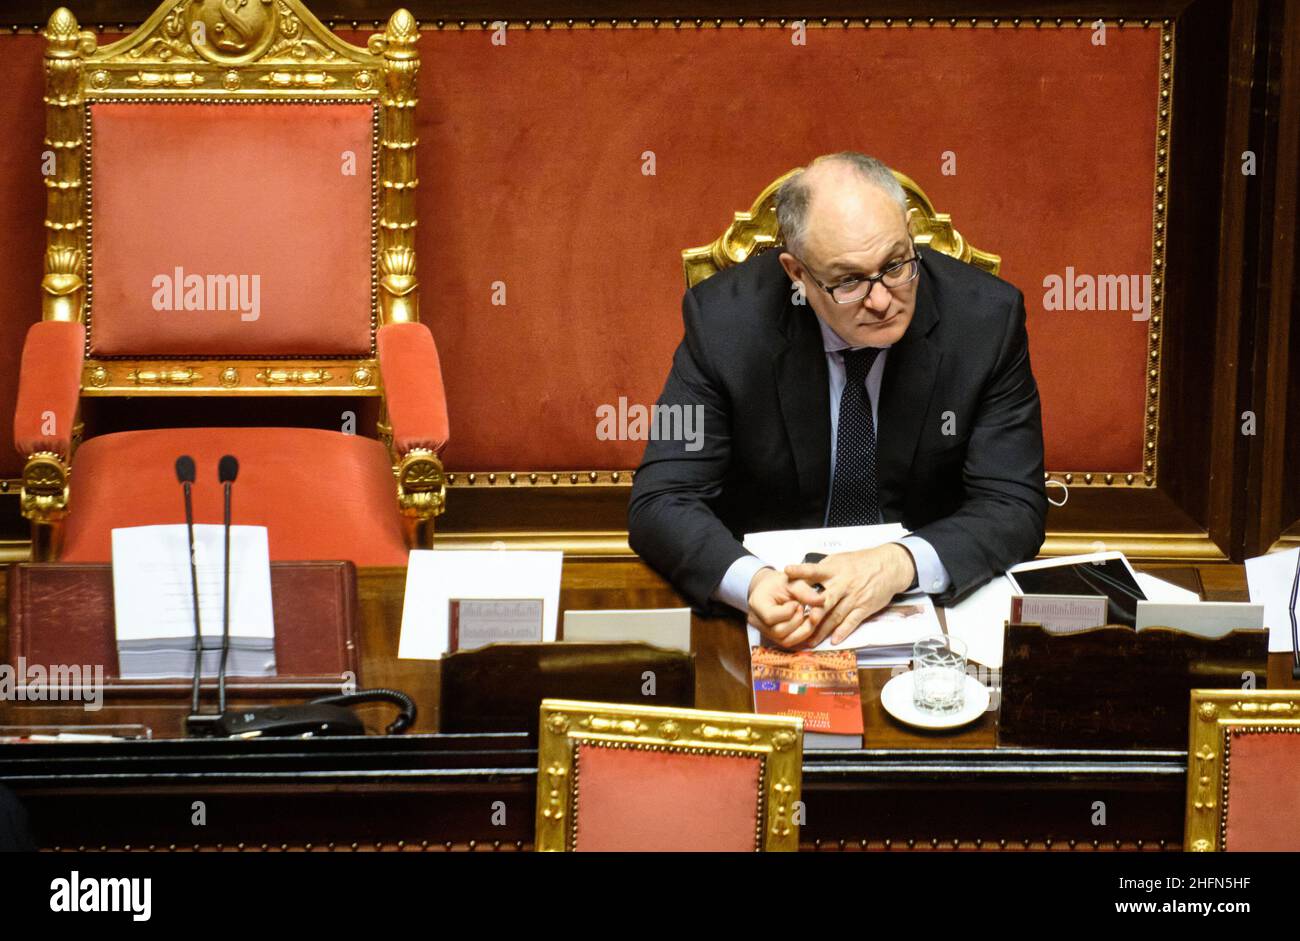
x=793 y=269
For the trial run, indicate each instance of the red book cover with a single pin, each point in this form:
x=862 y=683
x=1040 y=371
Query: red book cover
x=821 y=687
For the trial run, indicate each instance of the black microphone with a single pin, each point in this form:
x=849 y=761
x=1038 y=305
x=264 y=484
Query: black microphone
x=325 y=716
x=227 y=471
x=185 y=474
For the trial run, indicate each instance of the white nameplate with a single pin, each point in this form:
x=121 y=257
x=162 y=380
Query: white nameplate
x=434 y=577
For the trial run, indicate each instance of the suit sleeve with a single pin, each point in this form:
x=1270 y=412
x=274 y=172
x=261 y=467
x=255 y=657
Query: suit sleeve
x=1003 y=518
x=671 y=521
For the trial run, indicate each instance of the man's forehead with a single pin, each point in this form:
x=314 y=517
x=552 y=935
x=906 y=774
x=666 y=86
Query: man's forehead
x=857 y=254
x=853 y=221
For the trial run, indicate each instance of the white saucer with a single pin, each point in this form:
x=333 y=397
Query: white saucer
x=896 y=697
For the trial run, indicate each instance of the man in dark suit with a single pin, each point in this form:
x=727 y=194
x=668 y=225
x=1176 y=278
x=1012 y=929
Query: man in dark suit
x=794 y=359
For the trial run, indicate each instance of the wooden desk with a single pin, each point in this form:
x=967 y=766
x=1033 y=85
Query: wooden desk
x=906 y=790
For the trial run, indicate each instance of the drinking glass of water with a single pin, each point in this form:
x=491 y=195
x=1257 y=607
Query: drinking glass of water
x=939 y=674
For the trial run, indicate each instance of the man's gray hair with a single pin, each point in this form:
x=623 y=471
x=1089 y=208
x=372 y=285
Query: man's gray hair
x=794 y=195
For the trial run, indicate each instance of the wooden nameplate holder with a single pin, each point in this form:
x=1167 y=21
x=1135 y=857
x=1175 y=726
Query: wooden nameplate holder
x=1114 y=687
x=500 y=687
x=62 y=613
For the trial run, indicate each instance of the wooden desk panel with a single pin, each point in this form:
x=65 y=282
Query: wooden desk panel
x=906 y=790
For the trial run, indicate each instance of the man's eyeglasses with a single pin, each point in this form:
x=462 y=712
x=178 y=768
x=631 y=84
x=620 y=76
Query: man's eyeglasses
x=855 y=289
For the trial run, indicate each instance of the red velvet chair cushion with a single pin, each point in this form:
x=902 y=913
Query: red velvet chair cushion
x=1264 y=792
x=246 y=190
x=649 y=801
x=49 y=387
x=321 y=494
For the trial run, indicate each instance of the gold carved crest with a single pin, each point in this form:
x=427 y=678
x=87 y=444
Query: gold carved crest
x=233 y=32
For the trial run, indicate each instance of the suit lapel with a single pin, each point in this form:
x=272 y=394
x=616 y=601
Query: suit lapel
x=803 y=385
x=905 y=391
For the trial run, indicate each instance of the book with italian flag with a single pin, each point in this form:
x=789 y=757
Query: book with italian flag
x=819 y=686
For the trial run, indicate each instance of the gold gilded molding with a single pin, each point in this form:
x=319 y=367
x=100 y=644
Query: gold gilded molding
x=180 y=376
x=45 y=487
x=293 y=376
x=678 y=23
x=777 y=742
x=1214 y=717
x=540 y=478
x=770 y=22
x=398 y=179
x=1159 y=251
x=62 y=286
x=219 y=34
x=344 y=377
x=755 y=230
x=43 y=500
x=421 y=493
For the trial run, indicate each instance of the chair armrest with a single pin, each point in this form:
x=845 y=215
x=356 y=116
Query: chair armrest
x=49 y=388
x=413 y=391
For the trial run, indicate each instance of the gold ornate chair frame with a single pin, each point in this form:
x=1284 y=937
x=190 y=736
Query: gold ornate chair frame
x=1214 y=715
x=776 y=741
x=293 y=58
x=757 y=230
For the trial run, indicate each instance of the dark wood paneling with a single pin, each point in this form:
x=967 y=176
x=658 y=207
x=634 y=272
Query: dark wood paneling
x=1272 y=515
x=436 y=791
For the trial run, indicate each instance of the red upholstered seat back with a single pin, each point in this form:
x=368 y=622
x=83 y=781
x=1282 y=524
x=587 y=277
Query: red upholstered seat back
x=1262 y=772
x=231 y=229
x=673 y=801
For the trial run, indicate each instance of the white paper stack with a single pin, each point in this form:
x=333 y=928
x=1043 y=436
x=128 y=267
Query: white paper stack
x=1274 y=581
x=980 y=618
x=436 y=576
x=154 y=607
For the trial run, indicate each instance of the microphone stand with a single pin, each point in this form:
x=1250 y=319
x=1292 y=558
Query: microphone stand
x=194 y=591
x=185 y=474
x=227 y=483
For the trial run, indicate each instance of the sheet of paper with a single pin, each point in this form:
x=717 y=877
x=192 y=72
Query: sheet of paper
x=1157 y=589
x=904 y=622
x=662 y=627
x=435 y=576
x=910 y=618
x=1060 y=614
x=1210 y=619
x=1271 y=578
x=153 y=594
x=980 y=619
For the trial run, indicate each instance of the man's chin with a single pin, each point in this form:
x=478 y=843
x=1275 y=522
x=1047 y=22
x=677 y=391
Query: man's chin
x=882 y=332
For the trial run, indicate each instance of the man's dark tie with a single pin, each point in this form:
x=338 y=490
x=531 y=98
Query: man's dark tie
x=855 y=496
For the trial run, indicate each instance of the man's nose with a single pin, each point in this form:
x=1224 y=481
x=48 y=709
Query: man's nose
x=877 y=299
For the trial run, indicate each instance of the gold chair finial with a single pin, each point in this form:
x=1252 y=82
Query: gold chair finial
x=756 y=230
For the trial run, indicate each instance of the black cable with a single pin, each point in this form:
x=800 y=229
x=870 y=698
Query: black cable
x=1295 y=630
x=405 y=719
